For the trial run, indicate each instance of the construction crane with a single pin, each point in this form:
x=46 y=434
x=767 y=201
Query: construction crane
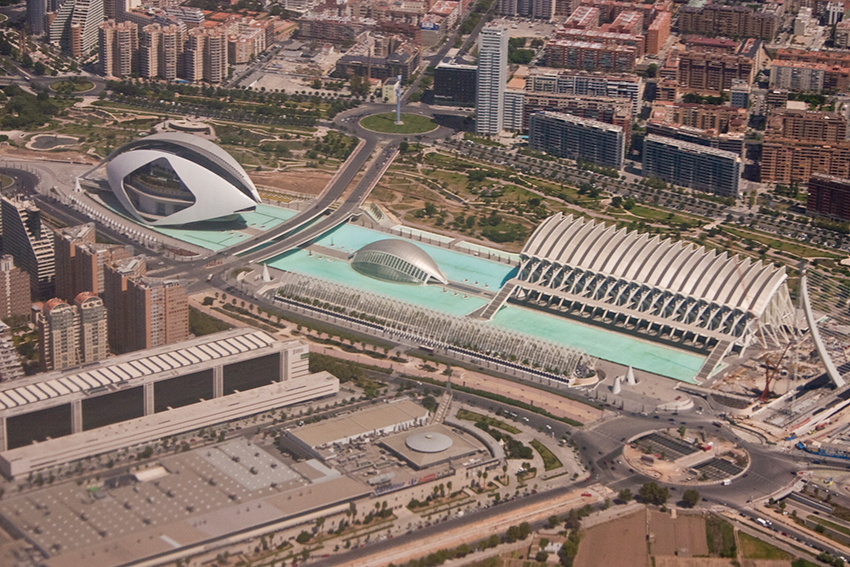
x=770 y=373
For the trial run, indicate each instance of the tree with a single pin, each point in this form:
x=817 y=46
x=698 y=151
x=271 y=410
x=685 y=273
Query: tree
x=541 y=557
x=651 y=493
x=303 y=537
x=625 y=496
x=690 y=498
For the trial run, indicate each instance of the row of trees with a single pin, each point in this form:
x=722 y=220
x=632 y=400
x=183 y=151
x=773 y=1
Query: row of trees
x=651 y=493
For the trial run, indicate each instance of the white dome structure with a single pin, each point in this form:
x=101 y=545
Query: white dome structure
x=177 y=179
x=398 y=261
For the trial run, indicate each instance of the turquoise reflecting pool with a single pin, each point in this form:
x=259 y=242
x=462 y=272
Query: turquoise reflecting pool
x=340 y=272
x=607 y=345
x=456 y=266
x=216 y=238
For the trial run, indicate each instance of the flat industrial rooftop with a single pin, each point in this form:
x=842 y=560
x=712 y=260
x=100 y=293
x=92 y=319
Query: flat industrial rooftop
x=207 y=493
x=460 y=447
x=360 y=423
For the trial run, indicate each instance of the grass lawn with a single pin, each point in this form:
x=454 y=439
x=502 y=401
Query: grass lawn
x=550 y=461
x=779 y=244
x=664 y=216
x=490 y=421
x=5 y=181
x=77 y=86
x=753 y=548
x=800 y=562
x=412 y=123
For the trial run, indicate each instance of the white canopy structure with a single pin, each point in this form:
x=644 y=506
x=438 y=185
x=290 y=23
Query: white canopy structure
x=672 y=291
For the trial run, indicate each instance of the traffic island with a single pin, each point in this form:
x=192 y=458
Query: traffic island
x=410 y=123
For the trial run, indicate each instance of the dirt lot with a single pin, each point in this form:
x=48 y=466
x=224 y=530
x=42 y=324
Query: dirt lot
x=630 y=551
x=764 y=563
x=556 y=405
x=305 y=182
x=684 y=536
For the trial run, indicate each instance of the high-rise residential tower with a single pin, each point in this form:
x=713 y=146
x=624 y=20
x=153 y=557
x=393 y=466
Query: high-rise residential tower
x=144 y=312
x=119 y=48
x=29 y=243
x=80 y=260
x=14 y=289
x=492 y=76
x=36 y=9
x=93 y=334
x=59 y=335
x=75 y=26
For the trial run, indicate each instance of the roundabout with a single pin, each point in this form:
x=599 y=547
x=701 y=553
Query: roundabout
x=686 y=457
x=386 y=123
x=72 y=85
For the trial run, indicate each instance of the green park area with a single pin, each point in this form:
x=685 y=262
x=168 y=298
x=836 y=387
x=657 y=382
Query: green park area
x=411 y=123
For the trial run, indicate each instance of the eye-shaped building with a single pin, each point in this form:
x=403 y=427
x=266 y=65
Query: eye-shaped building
x=177 y=179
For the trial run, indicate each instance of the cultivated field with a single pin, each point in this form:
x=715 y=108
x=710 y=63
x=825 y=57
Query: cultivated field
x=596 y=547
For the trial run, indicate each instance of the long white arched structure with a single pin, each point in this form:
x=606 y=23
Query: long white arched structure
x=668 y=290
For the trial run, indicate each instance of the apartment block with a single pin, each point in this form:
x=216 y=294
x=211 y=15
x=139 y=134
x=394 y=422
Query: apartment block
x=629 y=22
x=712 y=72
x=206 y=55
x=591 y=56
x=29 y=243
x=583 y=18
x=59 y=335
x=658 y=32
x=161 y=51
x=514 y=109
x=739 y=94
x=119 y=48
x=81 y=261
x=692 y=165
x=616 y=111
x=583 y=83
x=730 y=142
x=720 y=119
x=604 y=37
x=36 y=10
x=14 y=289
x=805 y=125
x=842 y=34
x=575 y=138
x=729 y=21
x=143 y=312
x=808 y=77
x=70 y=335
x=829 y=196
x=94 y=330
x=785 y=160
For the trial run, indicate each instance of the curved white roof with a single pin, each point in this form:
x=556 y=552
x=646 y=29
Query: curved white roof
x=678 y=267
x=219 y=184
